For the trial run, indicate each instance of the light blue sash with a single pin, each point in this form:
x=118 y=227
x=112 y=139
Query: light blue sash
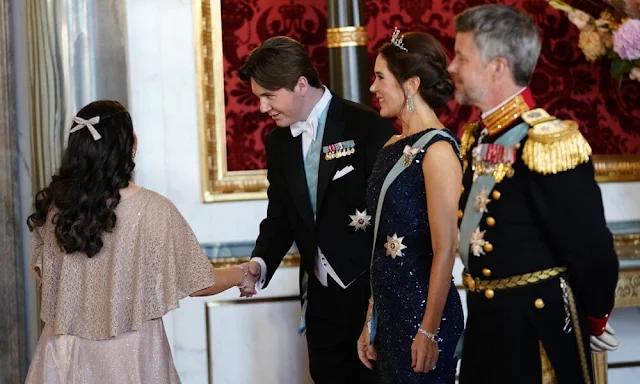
x=472 y=217
x=391 y=176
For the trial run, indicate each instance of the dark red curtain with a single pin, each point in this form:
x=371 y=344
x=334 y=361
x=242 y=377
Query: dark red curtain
x=564 y=82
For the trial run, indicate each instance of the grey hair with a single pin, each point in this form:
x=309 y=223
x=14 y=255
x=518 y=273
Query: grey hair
x=502 y=31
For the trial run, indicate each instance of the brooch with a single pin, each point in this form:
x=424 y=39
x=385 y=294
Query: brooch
x=409 y=153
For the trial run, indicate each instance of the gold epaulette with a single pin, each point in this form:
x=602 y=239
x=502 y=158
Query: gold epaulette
x=467 y=140
x=553 y=145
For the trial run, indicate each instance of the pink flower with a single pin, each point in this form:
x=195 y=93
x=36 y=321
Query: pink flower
x=626 y=40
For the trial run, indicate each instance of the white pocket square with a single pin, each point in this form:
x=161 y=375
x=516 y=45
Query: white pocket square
x=343 y=172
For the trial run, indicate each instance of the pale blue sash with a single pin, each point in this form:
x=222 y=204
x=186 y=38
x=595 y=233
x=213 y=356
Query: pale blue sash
x=472 y=217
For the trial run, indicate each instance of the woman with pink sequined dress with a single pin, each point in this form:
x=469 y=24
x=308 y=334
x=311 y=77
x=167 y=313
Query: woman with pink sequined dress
x=112 y=258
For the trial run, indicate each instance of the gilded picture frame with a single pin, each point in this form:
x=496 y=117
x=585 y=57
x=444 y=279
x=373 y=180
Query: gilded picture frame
x=218 y=183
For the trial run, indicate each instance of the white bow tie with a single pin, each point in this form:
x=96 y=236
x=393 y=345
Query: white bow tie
x=308 y=126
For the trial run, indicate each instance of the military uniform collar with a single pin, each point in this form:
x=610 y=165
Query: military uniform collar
x=508 y=112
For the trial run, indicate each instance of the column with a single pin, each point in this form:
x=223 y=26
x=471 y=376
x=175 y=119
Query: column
x=13 y=361
x=347 y=42
x=77 y=54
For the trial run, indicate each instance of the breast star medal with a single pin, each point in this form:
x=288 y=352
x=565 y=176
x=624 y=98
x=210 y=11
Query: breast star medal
x=477 y=242
x=482 y=199
x=394 y=246
x=360 y=220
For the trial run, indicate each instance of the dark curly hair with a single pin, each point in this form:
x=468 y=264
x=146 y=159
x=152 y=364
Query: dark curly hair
x=426 y=59
x=85 y=190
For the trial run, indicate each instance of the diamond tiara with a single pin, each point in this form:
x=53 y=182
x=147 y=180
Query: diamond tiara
x=398 y=41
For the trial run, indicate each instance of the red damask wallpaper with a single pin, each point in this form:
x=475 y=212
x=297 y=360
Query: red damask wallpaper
x=564 y=82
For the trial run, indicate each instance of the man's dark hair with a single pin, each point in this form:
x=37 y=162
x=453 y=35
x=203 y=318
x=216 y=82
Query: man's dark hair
x=278 y=63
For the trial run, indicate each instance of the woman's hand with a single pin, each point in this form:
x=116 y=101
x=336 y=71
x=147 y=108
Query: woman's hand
x=366 y=352
x=424 y=353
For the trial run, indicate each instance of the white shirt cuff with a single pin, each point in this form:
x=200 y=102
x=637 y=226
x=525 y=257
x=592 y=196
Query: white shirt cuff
x=263 y=272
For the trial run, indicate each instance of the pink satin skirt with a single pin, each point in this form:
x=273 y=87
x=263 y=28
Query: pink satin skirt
x=141 y=356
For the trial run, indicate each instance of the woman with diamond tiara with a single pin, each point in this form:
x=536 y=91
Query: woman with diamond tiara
x=112 y=258
x=415 y=314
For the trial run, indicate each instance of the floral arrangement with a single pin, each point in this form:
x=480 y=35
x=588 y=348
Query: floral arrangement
x=615 y=34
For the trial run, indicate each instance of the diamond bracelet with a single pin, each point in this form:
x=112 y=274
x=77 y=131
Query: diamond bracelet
x=432 y=336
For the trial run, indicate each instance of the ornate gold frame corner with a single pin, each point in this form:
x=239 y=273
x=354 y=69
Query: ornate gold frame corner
x=612 y=168
x=218 y=184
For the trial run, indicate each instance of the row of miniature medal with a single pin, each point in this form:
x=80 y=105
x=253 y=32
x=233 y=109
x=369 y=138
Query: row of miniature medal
x=338 y=150
x=492 y=159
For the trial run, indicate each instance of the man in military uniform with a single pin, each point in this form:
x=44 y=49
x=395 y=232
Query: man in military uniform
x=541 y=269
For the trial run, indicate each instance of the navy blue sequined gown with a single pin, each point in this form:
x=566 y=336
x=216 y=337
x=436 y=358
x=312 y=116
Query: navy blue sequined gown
x=400 y=284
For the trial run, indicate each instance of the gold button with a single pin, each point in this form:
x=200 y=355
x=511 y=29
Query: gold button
x=460 y=214
x=518 y=146
x=603 y=329
x=539 y=303
x=491 y=221
x=469 y=282
x=462 y=189
x=488 y=247
x=489 y=293
x=606 y=316
x=486 y=272
x=496 y=195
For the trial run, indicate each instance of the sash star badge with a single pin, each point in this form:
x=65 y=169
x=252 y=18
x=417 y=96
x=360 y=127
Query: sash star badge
x=360 y=220
x=482 y=199
x=477 y=242
x=394 y=246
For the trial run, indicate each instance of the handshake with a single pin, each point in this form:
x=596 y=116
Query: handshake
x=252 y=272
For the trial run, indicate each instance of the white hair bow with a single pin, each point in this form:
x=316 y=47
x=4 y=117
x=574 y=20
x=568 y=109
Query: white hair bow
x=87 y=123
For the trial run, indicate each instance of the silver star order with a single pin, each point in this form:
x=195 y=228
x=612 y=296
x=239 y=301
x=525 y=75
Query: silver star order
x=360 y=220
x=482 y=199
x=477 y=242
x=394 y=246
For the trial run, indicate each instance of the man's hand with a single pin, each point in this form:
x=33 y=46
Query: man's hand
x=254 y=270
x=604 y=342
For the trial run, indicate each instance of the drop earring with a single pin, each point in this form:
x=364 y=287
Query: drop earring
x=410 y=106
